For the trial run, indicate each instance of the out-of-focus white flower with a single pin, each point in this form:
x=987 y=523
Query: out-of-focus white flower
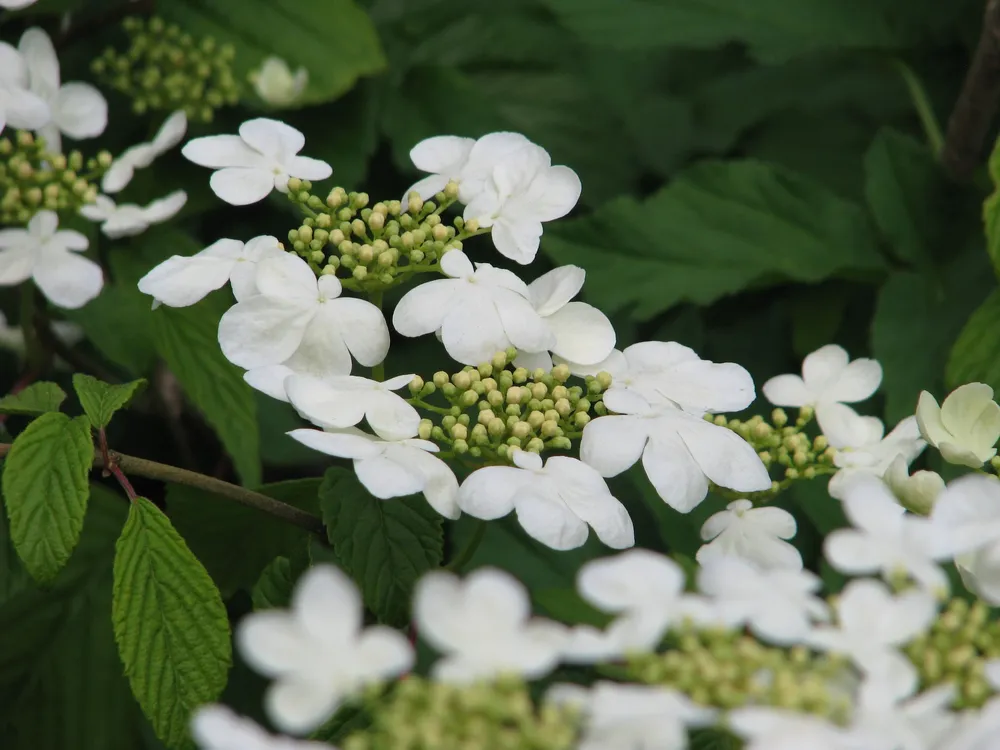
x=765 y=728
x=479 y=311
x=632 y=716
x=141 y=155
x=966 y=521
x=483 y=627
x=583 y=334
x=344 y=400
x=128 y=219
x=965 y=428
x=889 y=713
x=886 y=539
x=301 y=322
x=49 y=256
x=260 y=159
x=755 y=534
x=77 y=110
x=918 y=491
x=829 y=380
x=864 y=450
x=778 y=605
x=389 y=468
x=16 y=4
x=19 y=106
x=12 y=337
x=555 y=503
x=318 y=652
x=181 y=280
x=216 y=727
x=275 y=83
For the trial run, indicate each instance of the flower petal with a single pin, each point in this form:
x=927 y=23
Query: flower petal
x=612 y=444
x=342 y=443
x=288 y=278
x=858 y=381
x=472 y=332
x=788 y=390
x=306 y=168
x=554 y=192
x=16 y=263
x=269 y=379
x=845 y=428
x=586 y=494
x=674 y=473
x=441 y=153
x=440 y=485
x=583 y=333
x=385 y=478
x=41 y=61
x=551 y=291
x=24 y=109
x=524 y=327
x=322 y=351
x=428 y=187
x=181 y=281
x=240 y=186
x=423 y=308
x=363 y=329
x=297 y=706
x=823 y=367
x=851 y=552
x=271 y=643
x=165 y=208
x=261 y=331
x=724 y=457
x=489 y=493
x=66 y=279
x=323 y=403
x=517 y=239
x=272 y=138
x=548 y=520
x=456 y=264
x=80 y=111
x=171 y=133
x=220 y=151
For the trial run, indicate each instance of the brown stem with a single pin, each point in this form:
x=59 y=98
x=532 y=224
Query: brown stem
x=164 y=473
x=977 y=104
x=111 y=466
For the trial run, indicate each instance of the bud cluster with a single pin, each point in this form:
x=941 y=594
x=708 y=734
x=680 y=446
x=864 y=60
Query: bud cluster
x=32 y=179
x=373 y=247
x=165 y=68
x=955 y=650
x=728 y=669
x=497 y=407
x=424 y=715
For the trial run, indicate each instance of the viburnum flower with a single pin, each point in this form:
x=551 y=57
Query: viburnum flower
x=48 y=255
x=892 y=717
x=302 y=322
x=632 y=716
x=446 y=157
x=966 y=521
x=916 y=492
x=755 y=534
x=260 y=159
x=583 y=334
x=141 y=155
x=77 y=110
x=965 y=428
x=555 y=503
x=128 y=219
x=19 y=106
x=390 y=467
x=318 y=651
x=886 y=539
x=479 y=311
x=483 y=627
x=275 y=83
x=829 y=381
x=766 y=728
x=778 y=605
x=216 y=727
x=864 y=450
x=344 y=400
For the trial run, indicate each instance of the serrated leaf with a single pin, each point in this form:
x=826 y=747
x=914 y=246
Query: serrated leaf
x=170 y=624
x=385 y=545
x=101 y=400
x=37 y=398
x=46 y=491
x=718 y=228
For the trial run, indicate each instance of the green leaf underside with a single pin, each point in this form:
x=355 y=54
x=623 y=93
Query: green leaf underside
x=37 y=398
x=170 y=623
x=274 y=587
x=46 y=491
x=101 y=400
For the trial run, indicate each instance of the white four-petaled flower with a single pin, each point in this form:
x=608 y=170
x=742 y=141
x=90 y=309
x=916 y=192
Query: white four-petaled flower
x=965 y=428
x=863 y=449
x=216 y=727
x=966 y=522
x=129 y=219
x=275 y=83
x=141 y=155
x=755 y=534
x=344 y=400
x=19 y=106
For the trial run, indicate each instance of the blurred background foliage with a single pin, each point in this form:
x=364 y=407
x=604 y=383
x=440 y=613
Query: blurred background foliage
x=758 y=180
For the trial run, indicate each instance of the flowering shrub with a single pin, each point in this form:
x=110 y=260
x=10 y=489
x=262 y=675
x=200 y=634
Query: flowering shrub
x=462 y=463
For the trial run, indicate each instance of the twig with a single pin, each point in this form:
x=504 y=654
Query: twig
x=164 y=473
x=111 y=466
x=977 y=103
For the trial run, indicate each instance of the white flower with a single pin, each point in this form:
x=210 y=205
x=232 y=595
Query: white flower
x=19 y=106
x=318 y=652
x=128 y=219
x=766 y=728
x=48 y=256
x=965 y=427
x=275 y=83
x=917 y=492
x=894 y=720
x=583 y=334
x=16 y=4
x=216 y=727
x=445 y=156
x=301 y=322
x=828 y=382
x=12 y=337
x=479 y=311
x=886 y=539
x=181 y=280
x=966 y=520
x=344 y=400
x=78 y=110
x=632 y=716
x=260 y=159
x=390 y=467
x=754 y=534
x=555 y=504
x=778 y=605
x=863 y=449
x=680 y=452
x=483 y=627
x=980 y=572
x=141 y=155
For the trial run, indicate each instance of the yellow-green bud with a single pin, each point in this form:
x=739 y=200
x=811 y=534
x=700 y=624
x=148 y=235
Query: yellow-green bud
x=424 y=429
x=535 y=445
x=461 y=380
x=779 y=417
x=496 y=427
x=514 y=395
x=520 y=430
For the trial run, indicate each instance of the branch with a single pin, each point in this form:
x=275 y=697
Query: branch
x=977 y=103
x=164 y=473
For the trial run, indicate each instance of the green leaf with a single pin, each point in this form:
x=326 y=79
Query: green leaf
x=170 y=623
x=918 y=317
x=385 y=545
x=720 y=227
x=975 y=358
x=101 y=400
x=566 y=605
x=235 y=543
x=332 y=39
x=37 y=398
x=991 y=210
x=46 y=491
x=187 y=339
x=274 y=587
